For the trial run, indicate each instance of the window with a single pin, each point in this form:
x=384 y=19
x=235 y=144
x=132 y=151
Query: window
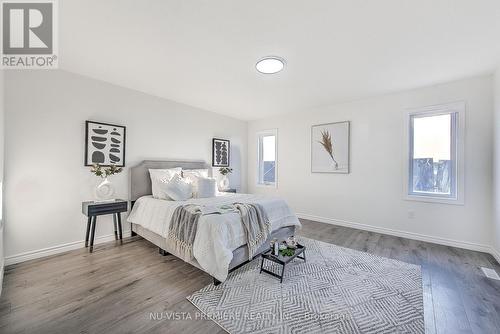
x=433 y=164
x=267 y=149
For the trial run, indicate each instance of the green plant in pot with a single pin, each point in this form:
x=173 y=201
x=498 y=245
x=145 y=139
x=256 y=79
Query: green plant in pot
x=224 y=180
x=105 y=190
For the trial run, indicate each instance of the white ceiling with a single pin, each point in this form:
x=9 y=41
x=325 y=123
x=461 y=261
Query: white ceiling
x=203 y=53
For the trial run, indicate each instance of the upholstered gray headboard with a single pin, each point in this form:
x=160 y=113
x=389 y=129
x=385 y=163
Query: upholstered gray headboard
x=140 y=182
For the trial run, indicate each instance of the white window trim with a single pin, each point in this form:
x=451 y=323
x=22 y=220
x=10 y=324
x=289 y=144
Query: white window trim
x=459 y=108
x=259 y=134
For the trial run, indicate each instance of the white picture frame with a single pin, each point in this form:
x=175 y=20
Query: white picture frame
x=330 y=148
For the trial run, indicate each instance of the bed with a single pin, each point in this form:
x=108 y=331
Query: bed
x=219 y=245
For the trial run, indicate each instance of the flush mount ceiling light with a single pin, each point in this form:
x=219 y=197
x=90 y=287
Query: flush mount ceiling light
x=270 y=65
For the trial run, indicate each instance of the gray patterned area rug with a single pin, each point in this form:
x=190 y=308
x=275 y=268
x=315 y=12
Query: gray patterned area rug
x=338 y=290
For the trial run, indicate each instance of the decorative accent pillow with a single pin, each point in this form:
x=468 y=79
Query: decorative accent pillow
x=159 y=177
x=192 y=175
x=178 y=189
x=207 y=187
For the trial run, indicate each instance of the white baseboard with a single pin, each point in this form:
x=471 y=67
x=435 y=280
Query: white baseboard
x=496 y=254
x=36 y=254
x=403 y=234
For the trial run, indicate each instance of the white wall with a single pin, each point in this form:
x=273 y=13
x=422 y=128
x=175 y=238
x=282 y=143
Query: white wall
x=496 y=165
x=372 y=194
x=45 y=177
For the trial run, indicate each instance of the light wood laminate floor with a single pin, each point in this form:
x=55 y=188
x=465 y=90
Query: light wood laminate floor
x=116 y=288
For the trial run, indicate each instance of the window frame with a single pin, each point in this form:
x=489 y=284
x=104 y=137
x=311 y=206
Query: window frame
x=260 y=165
x=457 y=112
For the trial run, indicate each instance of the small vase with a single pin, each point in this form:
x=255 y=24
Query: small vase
x=224 y=183
x=104 y=190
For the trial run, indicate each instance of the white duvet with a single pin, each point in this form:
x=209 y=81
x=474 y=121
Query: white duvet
x=218 y=235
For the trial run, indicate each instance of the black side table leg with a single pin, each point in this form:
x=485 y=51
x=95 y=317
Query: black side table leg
x=92 y=235
x=89 y=222
x=119 y=215
x=114 y=224
x=282 y=272
x=162 y=252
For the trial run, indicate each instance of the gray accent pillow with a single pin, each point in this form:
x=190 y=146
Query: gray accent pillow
x=178 y=189
x=207 y=187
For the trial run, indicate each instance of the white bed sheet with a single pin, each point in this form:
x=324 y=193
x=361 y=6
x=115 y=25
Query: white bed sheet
x=217 y=235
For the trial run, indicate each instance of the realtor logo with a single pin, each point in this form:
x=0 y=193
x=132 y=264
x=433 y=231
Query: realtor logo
x=28 y=34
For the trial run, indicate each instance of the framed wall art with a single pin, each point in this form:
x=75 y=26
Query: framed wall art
x=104 y=144
x=220 y=152
x=330 y=148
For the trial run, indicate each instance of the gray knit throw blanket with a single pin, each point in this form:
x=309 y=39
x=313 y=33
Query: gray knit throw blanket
x=184 y=224
x=182 y=230
x=256 y=224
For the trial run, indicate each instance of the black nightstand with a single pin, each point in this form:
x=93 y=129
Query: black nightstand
x=229 y=191
x=93 y=209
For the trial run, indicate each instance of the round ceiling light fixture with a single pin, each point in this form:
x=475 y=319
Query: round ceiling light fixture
x=270 y=65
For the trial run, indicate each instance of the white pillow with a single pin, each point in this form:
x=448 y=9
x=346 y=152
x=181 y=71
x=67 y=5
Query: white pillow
x=160 y=176
x=192 y=175
x=207 y=187
x=195 y=173
x=178 y=189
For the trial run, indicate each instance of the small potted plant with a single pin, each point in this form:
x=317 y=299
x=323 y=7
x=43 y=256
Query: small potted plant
x=224 y=181
x=105 y=190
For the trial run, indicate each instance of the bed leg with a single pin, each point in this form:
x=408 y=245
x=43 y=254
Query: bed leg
x=162 y=252
x=133 y=234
